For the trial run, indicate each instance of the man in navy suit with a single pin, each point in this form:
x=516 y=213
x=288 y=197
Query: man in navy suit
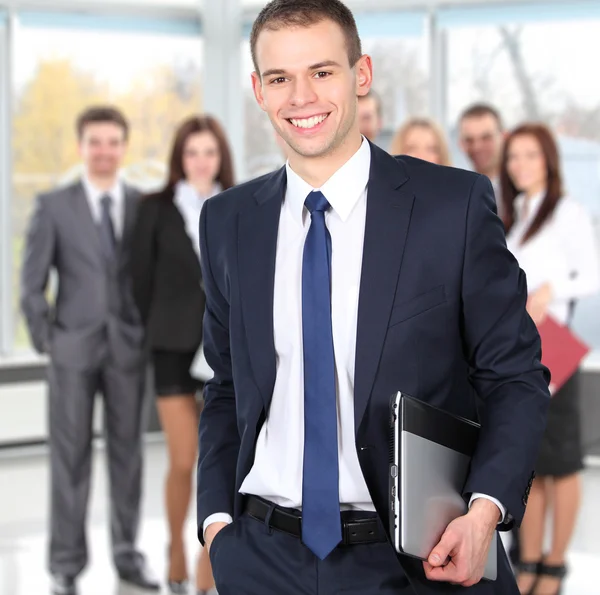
x=331 y=284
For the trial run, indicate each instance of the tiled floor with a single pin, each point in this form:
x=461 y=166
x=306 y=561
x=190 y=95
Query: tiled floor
x=23 y=513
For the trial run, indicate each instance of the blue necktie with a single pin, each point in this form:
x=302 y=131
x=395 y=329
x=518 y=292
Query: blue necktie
x=321 y=519
x=107 y=229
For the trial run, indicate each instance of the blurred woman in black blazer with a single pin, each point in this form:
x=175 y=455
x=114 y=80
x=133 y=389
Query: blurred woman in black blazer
x=167 y=283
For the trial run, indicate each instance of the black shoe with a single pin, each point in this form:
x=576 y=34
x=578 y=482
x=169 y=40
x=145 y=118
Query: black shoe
x=62 y=585
x=141 y=578
x=554 y=571
x=530 y=568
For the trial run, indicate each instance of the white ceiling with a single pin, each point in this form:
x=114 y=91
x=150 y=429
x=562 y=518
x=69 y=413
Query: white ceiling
x=251 y=5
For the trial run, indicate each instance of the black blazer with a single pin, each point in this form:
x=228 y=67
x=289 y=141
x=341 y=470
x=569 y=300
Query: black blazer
x=167 y=279
x=441 y=316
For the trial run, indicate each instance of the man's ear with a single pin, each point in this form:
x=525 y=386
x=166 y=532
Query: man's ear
x=364 y=75
x=258 y=92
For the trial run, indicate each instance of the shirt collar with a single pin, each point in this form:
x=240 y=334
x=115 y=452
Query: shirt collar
x=533 y=205
x=342 y=190
x=187 y=195
x=116 y=192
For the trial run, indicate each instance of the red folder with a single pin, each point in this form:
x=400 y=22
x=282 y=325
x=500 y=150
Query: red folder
x=562 y=351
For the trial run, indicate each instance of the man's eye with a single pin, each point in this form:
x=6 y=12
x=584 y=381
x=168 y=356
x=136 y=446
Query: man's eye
x=322 y=74
x=278 y=80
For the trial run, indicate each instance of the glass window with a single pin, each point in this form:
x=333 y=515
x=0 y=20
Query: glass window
x=155 y=79
x=5 y=261
x=262 y=152
x=537 y=72
x=401 y=80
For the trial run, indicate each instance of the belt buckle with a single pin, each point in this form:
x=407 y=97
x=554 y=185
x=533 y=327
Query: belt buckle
x=355 y=531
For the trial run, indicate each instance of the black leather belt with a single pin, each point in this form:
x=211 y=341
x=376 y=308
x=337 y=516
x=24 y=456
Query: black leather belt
x=354 y=530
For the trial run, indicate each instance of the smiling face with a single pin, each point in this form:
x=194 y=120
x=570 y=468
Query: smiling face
x=422 y=142
x=481 y=138
x=201 y=159
x=102 y=147
x=309 y=90
x=526 y=164
x=369 y=119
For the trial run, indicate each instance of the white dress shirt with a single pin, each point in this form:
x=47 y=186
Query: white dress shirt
x=563 y=253
x=117 y=209
x=497 y=188
x=189 y=203
x=277 y=471
x=278 y=464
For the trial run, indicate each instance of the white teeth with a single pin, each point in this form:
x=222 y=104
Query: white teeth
x=308 y=122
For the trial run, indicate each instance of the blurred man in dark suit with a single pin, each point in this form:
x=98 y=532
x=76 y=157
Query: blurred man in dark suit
x=331 y=284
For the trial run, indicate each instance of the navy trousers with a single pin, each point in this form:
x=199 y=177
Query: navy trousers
x=249 y=558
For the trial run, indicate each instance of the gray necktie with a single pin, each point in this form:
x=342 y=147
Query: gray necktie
x=107 y=229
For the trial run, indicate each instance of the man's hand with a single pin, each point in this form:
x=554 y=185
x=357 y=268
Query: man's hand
x=211 y=532
x=538 y=302
x=462 y=552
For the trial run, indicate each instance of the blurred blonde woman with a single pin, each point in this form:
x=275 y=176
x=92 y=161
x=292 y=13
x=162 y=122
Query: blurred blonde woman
x=421 y=138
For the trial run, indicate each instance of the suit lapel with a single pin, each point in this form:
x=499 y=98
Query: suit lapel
x=389 y=207
x=88 y=230
x=187 y=244
x=130 y=199
x=257 y=243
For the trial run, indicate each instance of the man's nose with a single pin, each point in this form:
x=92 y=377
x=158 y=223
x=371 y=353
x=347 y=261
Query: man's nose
x=303 y=93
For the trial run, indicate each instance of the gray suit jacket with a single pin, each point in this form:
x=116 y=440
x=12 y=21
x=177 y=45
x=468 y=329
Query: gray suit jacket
x=94 y=309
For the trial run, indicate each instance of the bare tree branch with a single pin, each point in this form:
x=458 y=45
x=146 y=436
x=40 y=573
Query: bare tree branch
x=512 y=43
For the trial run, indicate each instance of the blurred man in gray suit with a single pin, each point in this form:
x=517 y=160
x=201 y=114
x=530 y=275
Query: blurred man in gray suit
x=94 y=339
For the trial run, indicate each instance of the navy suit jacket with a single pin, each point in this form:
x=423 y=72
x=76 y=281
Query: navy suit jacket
x=441 y=317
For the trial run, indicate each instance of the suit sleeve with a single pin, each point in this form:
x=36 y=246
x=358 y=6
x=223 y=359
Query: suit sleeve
x=219 y=440
x=37 y=264
x=504 y=352
x=143 y=256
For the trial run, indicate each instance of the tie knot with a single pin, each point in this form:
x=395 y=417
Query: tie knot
x=315 y=201
x=106 y=201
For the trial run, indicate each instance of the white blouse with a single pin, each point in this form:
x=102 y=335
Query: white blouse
x=563 y=252
x=189 y=203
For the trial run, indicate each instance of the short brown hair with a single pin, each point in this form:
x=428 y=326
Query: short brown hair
x=304 y=13
x=478 y=110
x=101 y=113
x=191 y=126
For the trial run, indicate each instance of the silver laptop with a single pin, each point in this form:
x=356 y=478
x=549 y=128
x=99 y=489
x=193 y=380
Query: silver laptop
x=430 y=456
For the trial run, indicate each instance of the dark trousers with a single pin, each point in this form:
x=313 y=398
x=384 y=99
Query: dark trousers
x=248 y=558
x=71 y=406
